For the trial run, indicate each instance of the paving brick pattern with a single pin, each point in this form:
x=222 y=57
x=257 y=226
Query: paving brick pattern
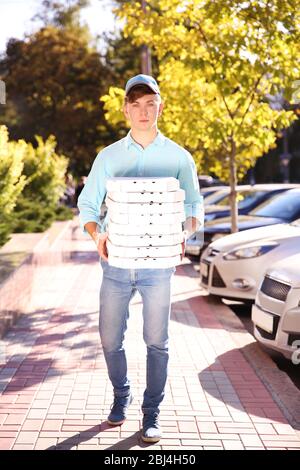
x=54 y=390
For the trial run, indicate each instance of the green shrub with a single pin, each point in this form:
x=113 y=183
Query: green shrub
x=45 y=171
x=32 y=216
x=37 y=207
x=5 y=228
x=32 y=181
x=12 y=181
x=63 y=213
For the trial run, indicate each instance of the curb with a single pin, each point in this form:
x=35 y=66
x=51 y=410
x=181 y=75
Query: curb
x=17 y=289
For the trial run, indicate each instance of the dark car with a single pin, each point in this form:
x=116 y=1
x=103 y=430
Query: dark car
x=207 y=181
x=248 y=199
x=209 y=191
x=280 y=208
x=221 y=193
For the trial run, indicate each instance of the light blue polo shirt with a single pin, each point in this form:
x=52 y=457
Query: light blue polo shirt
x=162 y=157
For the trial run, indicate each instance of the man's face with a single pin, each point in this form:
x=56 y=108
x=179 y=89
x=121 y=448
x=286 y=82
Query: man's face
x=144 y=112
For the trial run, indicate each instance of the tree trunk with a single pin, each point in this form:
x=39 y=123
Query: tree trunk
x=233 y=194
x=146 y=64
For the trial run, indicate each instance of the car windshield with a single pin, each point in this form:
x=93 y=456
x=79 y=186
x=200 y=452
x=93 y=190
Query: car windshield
x=215 y=197
x=207 y=193
x=285 y=206
x=244 y=198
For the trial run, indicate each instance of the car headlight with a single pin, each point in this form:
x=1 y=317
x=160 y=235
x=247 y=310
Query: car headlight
x=249 y=252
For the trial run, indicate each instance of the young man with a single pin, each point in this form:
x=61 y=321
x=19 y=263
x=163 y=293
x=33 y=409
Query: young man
x=143 y=152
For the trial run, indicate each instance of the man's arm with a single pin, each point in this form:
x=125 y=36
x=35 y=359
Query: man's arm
x=89 y=204
x=93 y=194
x=193 y=203
x=99 y=238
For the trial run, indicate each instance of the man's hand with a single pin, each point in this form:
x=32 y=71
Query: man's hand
x=191 y=225
x=183 y=250
x=183 y=243
x=100 y=240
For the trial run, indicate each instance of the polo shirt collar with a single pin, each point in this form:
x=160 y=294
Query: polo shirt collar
x=159 y=140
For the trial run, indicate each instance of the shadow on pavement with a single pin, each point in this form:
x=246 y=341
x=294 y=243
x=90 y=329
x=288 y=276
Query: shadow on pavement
x=35 y=363
x=84 y=436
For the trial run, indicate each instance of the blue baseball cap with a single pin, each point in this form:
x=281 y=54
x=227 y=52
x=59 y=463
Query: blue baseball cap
x=142 y=79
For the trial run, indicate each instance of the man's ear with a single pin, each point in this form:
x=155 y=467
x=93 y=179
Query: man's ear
x=160 y=110
x=125 y=111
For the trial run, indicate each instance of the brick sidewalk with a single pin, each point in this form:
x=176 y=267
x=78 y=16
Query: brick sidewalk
x=54 y=387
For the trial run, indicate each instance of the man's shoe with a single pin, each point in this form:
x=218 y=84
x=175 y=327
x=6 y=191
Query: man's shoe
x=119 y=408
x=151 y=431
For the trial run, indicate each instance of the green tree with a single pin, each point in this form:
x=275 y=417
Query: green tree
x=66 y=16
x=218 y=62
x=12 y=181
x=45 y=172
x=54 y=79
x=62 y=14
x=32 y=181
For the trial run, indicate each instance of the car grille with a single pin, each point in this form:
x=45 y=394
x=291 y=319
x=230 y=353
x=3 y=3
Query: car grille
x=217 y=280
x=265 y=334
x=277 y=290
x=292 y=338
x=204 y=279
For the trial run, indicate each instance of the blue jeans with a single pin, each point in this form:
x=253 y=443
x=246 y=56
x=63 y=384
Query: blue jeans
x=117 y=289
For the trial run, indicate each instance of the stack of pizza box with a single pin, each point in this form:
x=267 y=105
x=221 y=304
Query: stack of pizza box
x=145 y=217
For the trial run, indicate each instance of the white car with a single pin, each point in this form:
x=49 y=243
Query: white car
x=276 y=313
x=233 y=266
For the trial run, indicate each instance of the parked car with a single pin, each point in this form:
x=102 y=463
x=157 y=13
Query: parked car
x=217 y=195
x=276 y=313
x=247 y=198
x=280 y=208
x=209 y=191
x=220 y=196
x=206 y=181
x=270 y=212
x=233 y=266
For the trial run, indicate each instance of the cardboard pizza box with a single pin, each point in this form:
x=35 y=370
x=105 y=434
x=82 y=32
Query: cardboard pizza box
x=144 y=263
x=142 y=197
x=162 y=229
x=143 y=251
x=144 y=208
x=142 y=184
x=146 y=219
x=146 y=240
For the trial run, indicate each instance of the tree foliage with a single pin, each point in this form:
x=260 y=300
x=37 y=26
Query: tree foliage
x=12 y=179
x=218 y=62
x=54 y=79
x=32 y=181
